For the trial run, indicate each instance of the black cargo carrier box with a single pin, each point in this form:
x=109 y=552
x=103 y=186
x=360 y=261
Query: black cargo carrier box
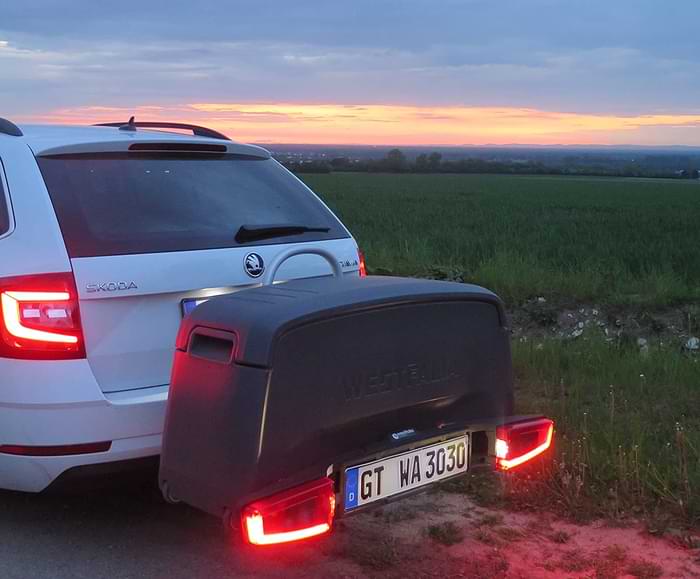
x=279 y=388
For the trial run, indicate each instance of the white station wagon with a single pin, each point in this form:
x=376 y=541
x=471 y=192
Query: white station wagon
x=109 y=235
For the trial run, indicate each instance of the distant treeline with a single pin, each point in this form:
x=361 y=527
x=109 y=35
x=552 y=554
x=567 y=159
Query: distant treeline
x=396 y=161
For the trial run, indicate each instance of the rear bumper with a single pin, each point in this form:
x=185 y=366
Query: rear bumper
x=483 y=456
x=131 y=421
x=35 y=474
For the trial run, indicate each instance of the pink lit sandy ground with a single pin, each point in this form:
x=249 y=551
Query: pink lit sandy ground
x=494 y=544
x=128 y=532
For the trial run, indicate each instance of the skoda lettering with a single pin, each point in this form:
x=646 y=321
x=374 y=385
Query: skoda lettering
x=111 y=286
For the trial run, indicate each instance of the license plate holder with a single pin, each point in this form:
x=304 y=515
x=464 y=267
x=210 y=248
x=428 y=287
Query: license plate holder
x=405 y=471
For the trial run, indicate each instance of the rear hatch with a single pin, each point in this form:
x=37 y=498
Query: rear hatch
x=147 y=231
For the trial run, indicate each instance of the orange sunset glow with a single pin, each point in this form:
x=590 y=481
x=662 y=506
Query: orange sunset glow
x=402 y=125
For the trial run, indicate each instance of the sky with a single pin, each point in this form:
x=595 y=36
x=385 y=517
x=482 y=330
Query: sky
x=395 y=72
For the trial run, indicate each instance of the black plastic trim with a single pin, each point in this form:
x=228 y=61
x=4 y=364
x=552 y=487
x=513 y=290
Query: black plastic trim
x=95 y=478
x=197 y=130
x=214 y=345
x=9 y=128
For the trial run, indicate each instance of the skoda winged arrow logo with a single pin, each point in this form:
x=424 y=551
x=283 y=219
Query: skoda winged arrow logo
x=254 y=265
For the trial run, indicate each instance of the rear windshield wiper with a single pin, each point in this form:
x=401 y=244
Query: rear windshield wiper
x=248 y=233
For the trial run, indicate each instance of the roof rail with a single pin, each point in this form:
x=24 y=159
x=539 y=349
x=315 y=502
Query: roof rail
x=198 y=131
x=9 y=128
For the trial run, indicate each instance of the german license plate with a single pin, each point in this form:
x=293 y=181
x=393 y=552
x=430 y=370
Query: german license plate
x=403 y=472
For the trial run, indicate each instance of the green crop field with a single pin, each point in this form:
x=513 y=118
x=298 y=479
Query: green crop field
x=616 y=240
x=628 y=420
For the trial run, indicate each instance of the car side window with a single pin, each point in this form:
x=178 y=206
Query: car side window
x=4 y=209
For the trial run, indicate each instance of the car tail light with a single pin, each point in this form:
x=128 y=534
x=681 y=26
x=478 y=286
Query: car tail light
x=292 y=515
x=520 y=442
x=39 y=317
x=363 y=265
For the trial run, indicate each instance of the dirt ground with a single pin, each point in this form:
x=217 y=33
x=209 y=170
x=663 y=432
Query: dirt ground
x=129 y=532
x=447 y=535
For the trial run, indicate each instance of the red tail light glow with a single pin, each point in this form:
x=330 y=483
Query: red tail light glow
x=39 y=317
x=293 y=515
x=363 y=265
x=520 y=442
x=257 y=535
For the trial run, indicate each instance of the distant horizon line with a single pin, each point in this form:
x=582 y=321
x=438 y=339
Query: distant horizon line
x=475 y=146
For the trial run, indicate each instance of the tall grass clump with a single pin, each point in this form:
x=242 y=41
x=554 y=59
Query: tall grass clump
x=628 y=424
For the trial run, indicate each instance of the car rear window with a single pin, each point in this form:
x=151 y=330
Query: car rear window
x=4 y=210
x=124 y=203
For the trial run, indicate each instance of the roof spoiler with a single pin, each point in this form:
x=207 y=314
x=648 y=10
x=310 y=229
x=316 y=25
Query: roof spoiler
x=197 y=130
x=9 y=128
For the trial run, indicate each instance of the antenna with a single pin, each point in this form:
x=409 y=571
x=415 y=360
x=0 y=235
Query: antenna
x=130 y=126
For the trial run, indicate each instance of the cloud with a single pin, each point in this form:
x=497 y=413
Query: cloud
x=627 y=58
x=603 y=79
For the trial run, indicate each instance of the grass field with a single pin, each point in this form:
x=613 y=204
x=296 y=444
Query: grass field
x=628 y=421
x=616 y=240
